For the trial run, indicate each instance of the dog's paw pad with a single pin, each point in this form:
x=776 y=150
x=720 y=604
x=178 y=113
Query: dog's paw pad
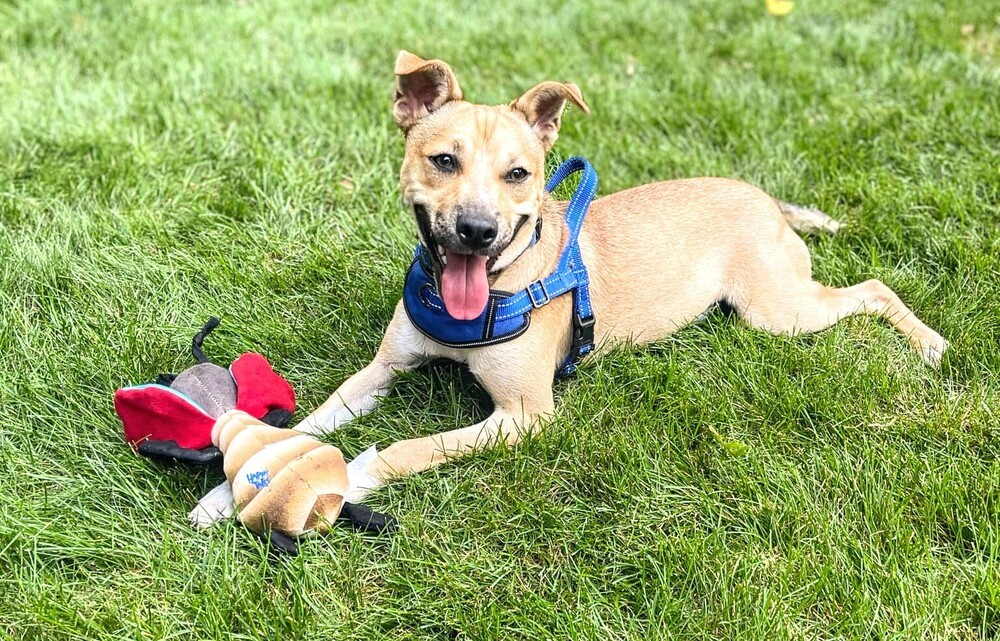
x=313 y=428
x=832 y=226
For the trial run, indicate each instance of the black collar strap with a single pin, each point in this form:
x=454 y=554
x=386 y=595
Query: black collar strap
x=535 y=235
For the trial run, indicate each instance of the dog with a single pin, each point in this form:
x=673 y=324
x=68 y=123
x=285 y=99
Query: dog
x=473 y=175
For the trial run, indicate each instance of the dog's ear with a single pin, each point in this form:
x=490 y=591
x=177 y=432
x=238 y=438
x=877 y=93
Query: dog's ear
x=543 y=105
x=422 y=86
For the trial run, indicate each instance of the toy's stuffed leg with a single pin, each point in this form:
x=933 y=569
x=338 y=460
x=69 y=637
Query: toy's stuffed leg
x=220 y=503
x=358 y=395
x=215 y=506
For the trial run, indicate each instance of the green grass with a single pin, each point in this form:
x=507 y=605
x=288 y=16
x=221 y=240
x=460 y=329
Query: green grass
x=164 y=161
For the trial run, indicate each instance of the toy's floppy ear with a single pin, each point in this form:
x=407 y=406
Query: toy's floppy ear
x=157 y=413
x=543 y=104
x=422 y=87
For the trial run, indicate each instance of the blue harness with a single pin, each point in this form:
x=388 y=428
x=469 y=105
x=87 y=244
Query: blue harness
x=507 y=315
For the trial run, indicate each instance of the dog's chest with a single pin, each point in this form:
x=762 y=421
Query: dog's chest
x=431 y=349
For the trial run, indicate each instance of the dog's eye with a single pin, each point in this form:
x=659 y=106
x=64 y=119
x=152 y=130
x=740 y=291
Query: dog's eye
x=445 y=162
x=517 y=175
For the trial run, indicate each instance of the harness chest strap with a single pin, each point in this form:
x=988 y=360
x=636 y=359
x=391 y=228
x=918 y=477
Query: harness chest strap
x=507 y=315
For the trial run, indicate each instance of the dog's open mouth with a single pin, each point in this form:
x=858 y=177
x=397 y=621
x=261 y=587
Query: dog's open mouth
x=462 y=278
x=465 y=288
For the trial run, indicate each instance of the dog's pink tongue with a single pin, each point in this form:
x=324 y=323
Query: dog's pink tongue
x=464 y=286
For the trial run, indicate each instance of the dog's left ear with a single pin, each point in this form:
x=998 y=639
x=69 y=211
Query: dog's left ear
x=543 y=104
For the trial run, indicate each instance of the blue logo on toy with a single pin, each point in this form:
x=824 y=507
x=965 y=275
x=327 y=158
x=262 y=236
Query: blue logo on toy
x=259 y=480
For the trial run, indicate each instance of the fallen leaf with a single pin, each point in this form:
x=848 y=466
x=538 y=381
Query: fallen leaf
x=733 y=448
x=346 y=184
x=968 y=29
x=779 y=7
x=630 y=67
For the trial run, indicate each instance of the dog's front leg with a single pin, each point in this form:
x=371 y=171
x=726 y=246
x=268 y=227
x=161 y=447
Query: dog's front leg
x=356 y=396
x=359 y=394
x=521 y=387
x=410 y=456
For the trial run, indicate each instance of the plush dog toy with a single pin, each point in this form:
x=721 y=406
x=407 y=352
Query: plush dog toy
x=285 y=483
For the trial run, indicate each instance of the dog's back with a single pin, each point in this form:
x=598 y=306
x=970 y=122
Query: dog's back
x=661 y=254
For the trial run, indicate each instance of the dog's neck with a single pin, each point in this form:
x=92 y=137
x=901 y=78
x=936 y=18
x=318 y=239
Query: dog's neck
x=523 y=263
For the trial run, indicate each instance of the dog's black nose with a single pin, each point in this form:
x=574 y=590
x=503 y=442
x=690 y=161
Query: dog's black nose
x=476 y=230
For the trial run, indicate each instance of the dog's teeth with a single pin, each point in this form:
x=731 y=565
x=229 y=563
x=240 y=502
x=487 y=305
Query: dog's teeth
x=444 y=259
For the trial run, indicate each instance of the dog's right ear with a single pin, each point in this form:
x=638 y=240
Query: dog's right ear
x=422 y=87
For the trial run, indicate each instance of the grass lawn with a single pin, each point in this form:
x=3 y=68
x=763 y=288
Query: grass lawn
x=161 y=162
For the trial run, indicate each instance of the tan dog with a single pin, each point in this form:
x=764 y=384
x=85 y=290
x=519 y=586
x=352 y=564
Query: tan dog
x=474 y=176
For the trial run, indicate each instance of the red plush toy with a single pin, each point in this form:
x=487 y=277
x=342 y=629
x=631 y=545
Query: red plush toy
x=173 y=417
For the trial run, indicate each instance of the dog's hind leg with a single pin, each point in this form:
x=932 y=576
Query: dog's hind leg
x=779 y=295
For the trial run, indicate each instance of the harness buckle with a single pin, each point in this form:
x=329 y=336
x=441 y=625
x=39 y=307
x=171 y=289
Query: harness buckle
x=583 y=334
x=538 y=302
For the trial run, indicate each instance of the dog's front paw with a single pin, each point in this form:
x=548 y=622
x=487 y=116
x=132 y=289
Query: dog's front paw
x=326 y=420
x=311 y=426
x=932 y=349
x=360 y=476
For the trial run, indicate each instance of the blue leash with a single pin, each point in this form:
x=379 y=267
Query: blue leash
x=507 y=315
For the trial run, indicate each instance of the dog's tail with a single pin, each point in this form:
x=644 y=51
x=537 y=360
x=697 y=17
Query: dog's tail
x=808 y=220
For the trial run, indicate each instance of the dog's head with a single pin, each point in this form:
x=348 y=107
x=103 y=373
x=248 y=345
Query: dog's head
x=473 y=174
